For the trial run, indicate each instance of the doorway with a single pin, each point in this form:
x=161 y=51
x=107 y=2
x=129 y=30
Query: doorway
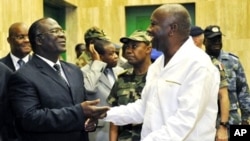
x=138 y=17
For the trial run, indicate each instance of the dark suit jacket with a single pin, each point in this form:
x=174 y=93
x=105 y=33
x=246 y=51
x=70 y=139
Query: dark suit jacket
x=45 y=108
x=8 y=61
x=5 y=73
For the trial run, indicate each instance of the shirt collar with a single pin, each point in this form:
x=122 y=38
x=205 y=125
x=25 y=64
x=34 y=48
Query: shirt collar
x=15 y=59
x=50 y=63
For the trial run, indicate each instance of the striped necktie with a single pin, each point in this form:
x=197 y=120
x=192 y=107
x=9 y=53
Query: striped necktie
x=58 y=70
x=20 y=62
x=109 y=73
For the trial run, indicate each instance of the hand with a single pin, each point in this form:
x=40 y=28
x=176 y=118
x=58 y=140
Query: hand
x=90 y=109
x=221 y=134
x=90 y=125
x=244 y=122
x=94 y=54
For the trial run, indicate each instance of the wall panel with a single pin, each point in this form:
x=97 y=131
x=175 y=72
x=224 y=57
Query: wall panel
x=12 y=11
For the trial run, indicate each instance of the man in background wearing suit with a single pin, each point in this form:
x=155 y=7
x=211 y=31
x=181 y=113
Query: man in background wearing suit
x=5 y=73
x=47 y=94
x=19 y=46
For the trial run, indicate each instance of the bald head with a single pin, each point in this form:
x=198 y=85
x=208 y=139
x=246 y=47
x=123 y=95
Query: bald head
x=175 y=14
x=15 y=27
x=18 y=39
x=170 y=27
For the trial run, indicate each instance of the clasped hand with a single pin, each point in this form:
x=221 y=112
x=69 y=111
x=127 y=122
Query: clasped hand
x=93 y=113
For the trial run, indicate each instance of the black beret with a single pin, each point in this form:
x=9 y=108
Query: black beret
x=196 y=30
x=212 y=31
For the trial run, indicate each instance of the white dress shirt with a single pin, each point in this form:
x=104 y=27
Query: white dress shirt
x=51 y=64
x=15 y=60
x=179 y=100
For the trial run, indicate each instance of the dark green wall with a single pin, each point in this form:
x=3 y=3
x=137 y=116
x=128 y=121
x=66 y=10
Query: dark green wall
x=57 y=13
x=138 y=17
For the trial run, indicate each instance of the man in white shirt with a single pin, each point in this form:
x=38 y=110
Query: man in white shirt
x=179 y=100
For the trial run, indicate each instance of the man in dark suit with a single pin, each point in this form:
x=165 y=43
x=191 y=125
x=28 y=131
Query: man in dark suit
x=5 y=73
x=19 y=46
x=49 y=102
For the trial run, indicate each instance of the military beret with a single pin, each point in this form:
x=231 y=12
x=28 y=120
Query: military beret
x=137 y=35
x=212 y=31
x=95 y=32
x=195 y=31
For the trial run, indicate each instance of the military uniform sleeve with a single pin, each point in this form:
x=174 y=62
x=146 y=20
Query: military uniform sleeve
x=223 y=78
x=112 y=98
x=243 y=93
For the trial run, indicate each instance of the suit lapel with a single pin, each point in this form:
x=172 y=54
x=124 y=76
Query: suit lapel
x=10 y=63
x=68 y=73
x=104 y=79
x=44 y=68
x=71 y=78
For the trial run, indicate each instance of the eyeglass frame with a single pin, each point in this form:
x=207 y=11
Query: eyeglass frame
x=53 y=31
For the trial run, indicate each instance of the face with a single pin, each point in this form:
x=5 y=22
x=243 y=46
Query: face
x=110 y=56
x=136 y=52
x=52 y=38
x=213 y=45
x=19 y=41
x=159 y=30
x=79 y=51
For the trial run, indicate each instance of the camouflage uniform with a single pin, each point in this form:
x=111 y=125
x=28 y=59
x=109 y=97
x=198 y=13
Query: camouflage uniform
x=238 y=88
x=223 y=78
x=83 y=59
x=127 y=89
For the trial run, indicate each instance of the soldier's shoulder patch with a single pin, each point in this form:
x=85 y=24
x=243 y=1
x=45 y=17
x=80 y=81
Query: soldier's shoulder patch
x=220 y=66
x=123 y=73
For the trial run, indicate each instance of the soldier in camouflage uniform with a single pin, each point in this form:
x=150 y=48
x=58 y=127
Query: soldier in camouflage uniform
x=91 y=34
x=238 y=88
x=223 y=103
x=80 y=61
x=128 y=88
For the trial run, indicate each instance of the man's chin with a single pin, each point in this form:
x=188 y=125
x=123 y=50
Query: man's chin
x=26 y=51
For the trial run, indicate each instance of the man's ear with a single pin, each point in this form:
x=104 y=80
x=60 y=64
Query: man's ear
x=8 y=39
x=149 y=49
x=173 y=28
x=101 y=57
x=204 y=41
x=38 y=40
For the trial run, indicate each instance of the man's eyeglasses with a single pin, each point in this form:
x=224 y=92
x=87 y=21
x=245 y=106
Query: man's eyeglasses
x=21 y=37
x=53 y=31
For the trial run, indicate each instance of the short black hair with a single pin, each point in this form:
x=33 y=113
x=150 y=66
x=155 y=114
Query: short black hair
x=34 y=30
x=99 y=45
x=78 y=46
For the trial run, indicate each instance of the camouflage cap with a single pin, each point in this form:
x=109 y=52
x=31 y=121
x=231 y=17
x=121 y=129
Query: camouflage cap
x=95 y=32
x=137 y=35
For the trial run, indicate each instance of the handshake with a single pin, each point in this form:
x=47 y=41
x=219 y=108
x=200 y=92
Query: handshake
x=93 y=113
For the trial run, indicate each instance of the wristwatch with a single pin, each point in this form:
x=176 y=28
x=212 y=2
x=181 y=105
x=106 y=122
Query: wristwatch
x=225 y=124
